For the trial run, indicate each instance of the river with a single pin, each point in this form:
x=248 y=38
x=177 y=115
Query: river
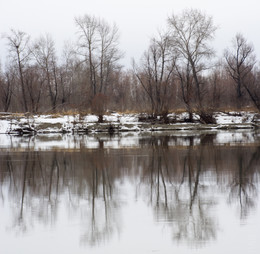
x=150 y=193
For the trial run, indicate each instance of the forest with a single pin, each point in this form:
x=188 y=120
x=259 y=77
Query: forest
x=179 y=71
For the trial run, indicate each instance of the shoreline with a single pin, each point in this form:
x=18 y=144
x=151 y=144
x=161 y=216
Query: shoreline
x=22 y=124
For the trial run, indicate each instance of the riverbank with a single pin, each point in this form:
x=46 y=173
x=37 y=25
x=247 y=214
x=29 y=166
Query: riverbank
x=24 y=124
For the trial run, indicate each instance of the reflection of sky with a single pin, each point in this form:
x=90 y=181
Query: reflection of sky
x=124 y=140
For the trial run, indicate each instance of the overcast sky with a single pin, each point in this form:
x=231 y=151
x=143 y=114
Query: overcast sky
x=137 y=20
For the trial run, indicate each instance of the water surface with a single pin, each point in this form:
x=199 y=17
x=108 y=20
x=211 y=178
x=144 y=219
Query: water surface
x=160 y=193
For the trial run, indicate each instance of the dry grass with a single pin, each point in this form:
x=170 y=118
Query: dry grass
x=83 y=113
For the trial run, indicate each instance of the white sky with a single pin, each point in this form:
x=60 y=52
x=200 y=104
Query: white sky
x=138 y=20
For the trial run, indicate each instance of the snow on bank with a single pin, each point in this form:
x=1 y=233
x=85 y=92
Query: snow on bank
x=12 y=124
x=4 y=126
x=234 y=118
x=62 y=123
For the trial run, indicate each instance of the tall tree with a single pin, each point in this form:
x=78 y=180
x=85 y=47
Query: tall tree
x=98 y=49
x=156 y=73
x=6 y=88
x=67 y=73
x=18 y=44
x=191 y=32
x=240 y=61
x=184 y=76
x=45 y=55
x=35 y=82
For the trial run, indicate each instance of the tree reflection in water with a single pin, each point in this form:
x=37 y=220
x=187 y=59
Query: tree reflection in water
x=243 y=189
x=102 y=176
x=181 y=183
x=177 y=193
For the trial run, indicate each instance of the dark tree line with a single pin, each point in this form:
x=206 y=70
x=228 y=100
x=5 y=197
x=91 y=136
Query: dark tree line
x=178 y=71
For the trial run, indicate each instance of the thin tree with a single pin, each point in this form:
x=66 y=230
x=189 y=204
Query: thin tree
x=18 y=44
x=6 y=88
x=184 y=76
x=67 y=73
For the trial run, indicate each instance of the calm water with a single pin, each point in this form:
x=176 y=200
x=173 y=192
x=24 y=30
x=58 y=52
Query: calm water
x=189 y=193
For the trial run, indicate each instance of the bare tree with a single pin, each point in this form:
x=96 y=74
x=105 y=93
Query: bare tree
x=184 y=76
x=6 y=88
x=18 y=44
x=45 y=55
x=98 y=49
x=215 y=82
x=35 y=82
x=156 y=73
x=67 y=73
x=109 y=54
x=240 y=61
x=191 y=32
x=253 y=87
